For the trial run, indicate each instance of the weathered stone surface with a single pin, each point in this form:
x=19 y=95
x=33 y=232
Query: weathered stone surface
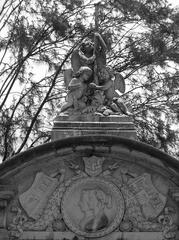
x=97 y=187
x=4 y=234
x=34 y=200
x=121 y=126
x=31 y=235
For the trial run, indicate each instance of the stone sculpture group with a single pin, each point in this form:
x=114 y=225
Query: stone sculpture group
x=93 y=87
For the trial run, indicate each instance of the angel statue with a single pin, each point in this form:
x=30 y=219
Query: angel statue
x=111 y=84
x=76 y=90
x=91 y=54
x=83 y=55
x=93 y=88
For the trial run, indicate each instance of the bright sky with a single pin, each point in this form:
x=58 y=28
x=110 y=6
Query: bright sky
x=173 y=2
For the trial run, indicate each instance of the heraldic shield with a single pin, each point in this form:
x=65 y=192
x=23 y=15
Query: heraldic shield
x=93 y=165
x=35 y=198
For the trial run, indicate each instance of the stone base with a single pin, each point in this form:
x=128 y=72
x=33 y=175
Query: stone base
x=112 y=236
x=4 y=235
x=121 y=126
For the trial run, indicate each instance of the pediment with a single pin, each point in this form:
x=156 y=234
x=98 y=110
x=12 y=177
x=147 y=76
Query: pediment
x=90 y=187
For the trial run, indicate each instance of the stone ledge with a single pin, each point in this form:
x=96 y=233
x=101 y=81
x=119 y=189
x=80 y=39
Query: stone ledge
x=66 y=133
x=121 y=126
x=94 y=118
x=32 y=235
x=94 y=125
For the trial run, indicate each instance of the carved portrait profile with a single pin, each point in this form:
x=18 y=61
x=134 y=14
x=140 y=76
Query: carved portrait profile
x=93 y=203
x=92 y=207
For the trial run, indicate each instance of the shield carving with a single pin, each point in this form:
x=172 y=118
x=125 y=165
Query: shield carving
x=93 y=165
x=150 y=199
x=35 y=198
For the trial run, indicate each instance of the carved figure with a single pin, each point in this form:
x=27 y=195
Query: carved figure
x=101 y=97
x=92 y=55
x=109 y=85
x=93 y=203
x=77 y=88
x=106 y=84
x=92 y=207
x=88 y=52
x=83 y=55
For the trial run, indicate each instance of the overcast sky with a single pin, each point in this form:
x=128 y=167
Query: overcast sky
x=173 y=2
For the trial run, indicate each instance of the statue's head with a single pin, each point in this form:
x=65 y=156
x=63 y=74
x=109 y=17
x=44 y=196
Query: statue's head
x=84 y=72
x=87 y=45
x=105 y=74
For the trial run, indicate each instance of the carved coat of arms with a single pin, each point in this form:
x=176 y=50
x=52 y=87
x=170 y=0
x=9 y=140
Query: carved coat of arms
x=35 y=198
x=151 y=200
x=93 y=165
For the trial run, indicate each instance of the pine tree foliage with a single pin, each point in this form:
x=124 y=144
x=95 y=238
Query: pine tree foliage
x=36 y=41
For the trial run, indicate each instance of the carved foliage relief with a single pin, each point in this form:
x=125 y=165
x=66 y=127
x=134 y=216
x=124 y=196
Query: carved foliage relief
x=101 y=197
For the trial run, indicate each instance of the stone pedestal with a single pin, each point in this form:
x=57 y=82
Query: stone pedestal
x=4 y=234
x=121 y=126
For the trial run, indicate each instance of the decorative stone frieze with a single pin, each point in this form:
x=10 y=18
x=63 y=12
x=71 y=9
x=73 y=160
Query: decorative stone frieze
x=90 y=187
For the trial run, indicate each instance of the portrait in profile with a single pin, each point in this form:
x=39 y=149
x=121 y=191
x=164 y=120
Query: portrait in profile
x=93 y=203
x=92 y=207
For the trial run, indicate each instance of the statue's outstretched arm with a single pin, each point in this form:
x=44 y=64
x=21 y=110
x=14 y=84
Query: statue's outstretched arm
x=104 y=87
x=98 y=38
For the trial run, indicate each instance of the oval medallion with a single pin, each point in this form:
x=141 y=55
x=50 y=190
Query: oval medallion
x=92 y=207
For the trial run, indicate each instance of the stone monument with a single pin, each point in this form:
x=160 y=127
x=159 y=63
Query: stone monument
x=93 y=104
x=94 y=180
